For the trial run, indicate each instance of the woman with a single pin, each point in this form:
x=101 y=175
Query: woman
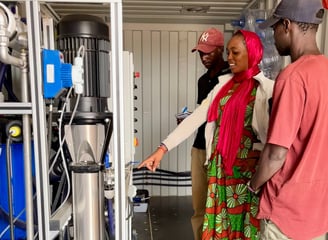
x=236 y=112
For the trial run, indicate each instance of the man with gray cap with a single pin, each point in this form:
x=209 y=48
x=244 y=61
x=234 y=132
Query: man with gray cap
x=210 y=47
x=292 y=175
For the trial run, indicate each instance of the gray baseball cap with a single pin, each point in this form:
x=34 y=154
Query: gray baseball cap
x=307 y=11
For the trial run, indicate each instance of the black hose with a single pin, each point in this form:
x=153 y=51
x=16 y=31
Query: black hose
x=111 y=219
x=3 y=69
x=107 y=140
x=160 y=184
x=58 y=192
x=10 y=199
x=50 y=128
x=8 y=85
x=18 y=223
x=161 y=178
x=160 y=174
x=187 y=173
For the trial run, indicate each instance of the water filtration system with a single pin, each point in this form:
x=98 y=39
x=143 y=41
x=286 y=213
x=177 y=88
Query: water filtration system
x=76 y=171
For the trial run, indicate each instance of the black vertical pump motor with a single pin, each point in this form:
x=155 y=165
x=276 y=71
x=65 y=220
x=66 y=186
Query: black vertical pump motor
x=93 y=33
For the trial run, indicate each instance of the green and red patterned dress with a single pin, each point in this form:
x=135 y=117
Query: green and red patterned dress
x=230 y=207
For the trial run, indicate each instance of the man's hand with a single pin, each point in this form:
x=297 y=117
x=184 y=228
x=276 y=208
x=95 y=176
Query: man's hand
x=272 y=159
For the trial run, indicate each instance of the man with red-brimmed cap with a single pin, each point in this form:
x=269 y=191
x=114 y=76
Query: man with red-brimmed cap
x=210 y=47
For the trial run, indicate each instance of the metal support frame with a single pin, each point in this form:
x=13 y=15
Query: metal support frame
x=118 y=114
x=15 y=108
x=39 y=119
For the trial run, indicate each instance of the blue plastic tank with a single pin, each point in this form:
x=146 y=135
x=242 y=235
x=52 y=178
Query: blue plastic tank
x=18 y=191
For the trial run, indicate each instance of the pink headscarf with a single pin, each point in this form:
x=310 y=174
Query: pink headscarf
x=232 y=121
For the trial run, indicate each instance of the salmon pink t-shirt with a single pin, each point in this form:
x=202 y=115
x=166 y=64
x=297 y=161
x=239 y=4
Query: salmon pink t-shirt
x=296 y=197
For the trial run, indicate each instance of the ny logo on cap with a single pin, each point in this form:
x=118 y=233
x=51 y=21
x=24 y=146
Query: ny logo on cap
x=204 y=37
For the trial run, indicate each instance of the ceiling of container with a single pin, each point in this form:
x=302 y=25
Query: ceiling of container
x=166 y=11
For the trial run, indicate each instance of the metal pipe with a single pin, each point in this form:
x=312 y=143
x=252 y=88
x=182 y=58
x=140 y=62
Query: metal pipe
x=84 y=144
x=27 y=152
x=5 y=57
x=7 y=29
x=88 y=206
x=7 y=20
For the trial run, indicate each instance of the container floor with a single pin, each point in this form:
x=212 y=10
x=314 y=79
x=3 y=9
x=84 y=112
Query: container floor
x=167 y=218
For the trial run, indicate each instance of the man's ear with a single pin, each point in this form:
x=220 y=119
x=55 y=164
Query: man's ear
x=286 y=23
x=221 y=49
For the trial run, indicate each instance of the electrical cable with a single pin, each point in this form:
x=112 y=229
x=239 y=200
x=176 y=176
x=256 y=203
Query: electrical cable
x=106 y=143
x=59 y=190
x=107 y=236
x=62 y=152
x=61 y=141
x=81 y=52
x=60 y=120
x=50 y=126
x=10 y=190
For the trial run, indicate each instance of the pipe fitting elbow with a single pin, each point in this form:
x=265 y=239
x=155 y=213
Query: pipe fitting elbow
x=5 y=57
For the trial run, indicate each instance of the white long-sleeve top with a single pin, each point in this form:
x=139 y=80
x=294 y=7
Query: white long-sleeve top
x=260 y=119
